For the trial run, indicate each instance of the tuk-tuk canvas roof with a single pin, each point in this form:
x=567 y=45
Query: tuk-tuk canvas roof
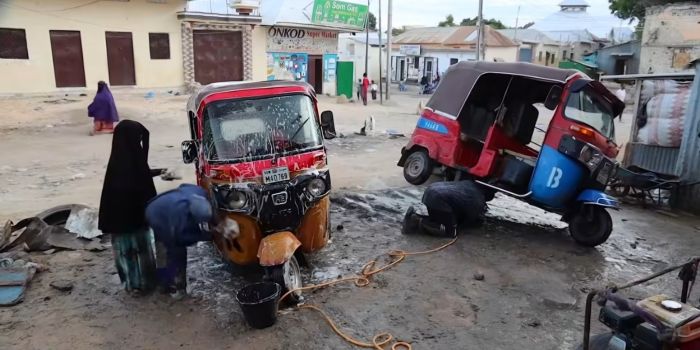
x=460 y=78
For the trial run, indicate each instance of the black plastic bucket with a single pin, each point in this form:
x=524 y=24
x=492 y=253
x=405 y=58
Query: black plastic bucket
x=258 y=302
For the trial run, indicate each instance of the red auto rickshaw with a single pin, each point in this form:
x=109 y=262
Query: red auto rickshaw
x=258 y=148
x=479 y=126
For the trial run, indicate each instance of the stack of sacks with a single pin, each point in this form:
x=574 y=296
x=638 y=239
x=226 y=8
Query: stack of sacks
x=665 y=103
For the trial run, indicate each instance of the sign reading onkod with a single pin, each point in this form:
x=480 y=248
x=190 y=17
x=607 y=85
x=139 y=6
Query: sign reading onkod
x=300 y=40
x=335 y=13
x=410 y=50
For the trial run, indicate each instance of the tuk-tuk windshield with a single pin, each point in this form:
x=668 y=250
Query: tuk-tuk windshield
x=258 y=128
x=587 y=107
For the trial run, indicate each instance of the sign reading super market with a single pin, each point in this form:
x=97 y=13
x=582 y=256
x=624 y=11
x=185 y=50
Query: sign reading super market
x=339 y=14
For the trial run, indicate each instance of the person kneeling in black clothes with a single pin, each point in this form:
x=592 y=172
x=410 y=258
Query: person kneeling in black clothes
x=450 y=205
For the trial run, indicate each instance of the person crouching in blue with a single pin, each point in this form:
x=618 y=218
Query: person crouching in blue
x=179 y=218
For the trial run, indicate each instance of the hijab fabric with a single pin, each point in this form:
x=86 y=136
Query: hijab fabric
x=102 y=107
x=128 y=183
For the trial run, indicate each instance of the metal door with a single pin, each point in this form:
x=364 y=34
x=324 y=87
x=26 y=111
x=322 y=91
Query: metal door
x=525 y=54
x=344 y=78
x=429 y=68
x=218 y=56
x=120 y=58
x=67 y=52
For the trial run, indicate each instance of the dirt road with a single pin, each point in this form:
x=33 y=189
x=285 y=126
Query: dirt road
x=531 y=297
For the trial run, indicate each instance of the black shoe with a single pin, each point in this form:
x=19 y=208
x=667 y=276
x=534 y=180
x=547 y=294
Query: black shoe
x=438 y=230
x=433 y=228
x=411 y=222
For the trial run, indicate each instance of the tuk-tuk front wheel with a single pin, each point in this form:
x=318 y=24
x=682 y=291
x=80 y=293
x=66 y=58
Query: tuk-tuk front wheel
x=590 y=226
x=418 y=167
x=288 y=276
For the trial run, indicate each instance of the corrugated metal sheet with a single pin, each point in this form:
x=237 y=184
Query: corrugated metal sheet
x=428 y=35
x=658 y=159
x=688 y=167
x=450 y=36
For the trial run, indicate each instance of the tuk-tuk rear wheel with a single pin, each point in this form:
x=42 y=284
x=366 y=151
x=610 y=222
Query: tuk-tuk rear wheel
x=590 y=226
x=288 y=276
x=418 y=167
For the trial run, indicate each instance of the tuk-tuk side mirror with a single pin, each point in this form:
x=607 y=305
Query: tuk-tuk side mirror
x=189 y=151
x=553 y=97
x=328 y=125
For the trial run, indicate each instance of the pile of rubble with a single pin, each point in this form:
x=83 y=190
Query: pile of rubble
x=69 y=227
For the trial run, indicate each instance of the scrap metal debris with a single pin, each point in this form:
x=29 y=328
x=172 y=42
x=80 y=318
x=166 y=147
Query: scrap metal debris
x=15 y=275
x=79 y=232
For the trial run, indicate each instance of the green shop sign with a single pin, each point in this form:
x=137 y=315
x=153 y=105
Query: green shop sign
x=339 y=13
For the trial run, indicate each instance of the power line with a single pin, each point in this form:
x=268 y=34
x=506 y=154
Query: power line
x=6 y=4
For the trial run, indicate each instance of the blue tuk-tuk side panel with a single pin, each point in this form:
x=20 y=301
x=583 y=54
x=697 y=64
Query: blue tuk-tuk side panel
x=599 y=198
x=556 y=182
x=556 y=179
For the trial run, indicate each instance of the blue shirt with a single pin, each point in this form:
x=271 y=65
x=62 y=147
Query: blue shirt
x=176 y=215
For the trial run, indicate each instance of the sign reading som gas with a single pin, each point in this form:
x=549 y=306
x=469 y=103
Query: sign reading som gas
x=335 y=12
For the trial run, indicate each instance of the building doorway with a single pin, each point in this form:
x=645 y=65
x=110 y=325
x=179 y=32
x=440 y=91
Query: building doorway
x=400 y=68
x=120 y=58
x=67 y=52
x=218 y=56
x=315 y=72
x=620 y=66
x=429 y=67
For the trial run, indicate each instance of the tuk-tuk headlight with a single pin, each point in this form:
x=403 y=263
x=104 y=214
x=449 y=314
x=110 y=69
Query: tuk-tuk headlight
x=236 y=200
x=316 y=187
x=591 y=157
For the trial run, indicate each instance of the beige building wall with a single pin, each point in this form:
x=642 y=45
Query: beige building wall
x=507 y=54
x=259 y=41
x=37 y=18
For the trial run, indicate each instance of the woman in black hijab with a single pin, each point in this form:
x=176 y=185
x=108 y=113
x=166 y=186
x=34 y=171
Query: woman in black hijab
x=128 y=186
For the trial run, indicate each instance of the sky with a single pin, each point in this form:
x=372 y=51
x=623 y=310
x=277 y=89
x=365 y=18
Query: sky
x=430 y=12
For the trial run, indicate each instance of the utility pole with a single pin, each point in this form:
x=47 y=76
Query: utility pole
x=379 y=33
x=515 y=33
x=388 y=50
x=367 y=39
x=479 y=28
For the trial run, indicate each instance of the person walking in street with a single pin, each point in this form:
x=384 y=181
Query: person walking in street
x=359 y=89
x=103 y=111
x=180 y=218
x=374 y=89
x=128 y=186
x=365 y=88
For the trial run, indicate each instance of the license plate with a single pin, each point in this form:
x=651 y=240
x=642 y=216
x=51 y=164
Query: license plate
x=275 y=175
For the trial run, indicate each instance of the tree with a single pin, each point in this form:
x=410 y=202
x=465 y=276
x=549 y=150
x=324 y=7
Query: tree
x=397 y=31
x=494 y=23
x=448 y=22
x=527 y=25
x=635 y=9
x=372 y=21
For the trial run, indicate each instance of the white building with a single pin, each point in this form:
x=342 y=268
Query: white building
x=574 y=15
x=534 y=46
x=429 y=51
x=351 y=47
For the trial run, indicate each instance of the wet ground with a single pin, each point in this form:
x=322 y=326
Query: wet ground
x=531 y=295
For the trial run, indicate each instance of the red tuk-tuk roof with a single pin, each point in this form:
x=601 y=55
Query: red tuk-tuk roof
x=457 y=83
x=243 y=89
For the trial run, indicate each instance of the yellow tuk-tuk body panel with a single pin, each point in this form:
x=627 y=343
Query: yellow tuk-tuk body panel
x=243 y=250
x=277 y=248
x=314 y=229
